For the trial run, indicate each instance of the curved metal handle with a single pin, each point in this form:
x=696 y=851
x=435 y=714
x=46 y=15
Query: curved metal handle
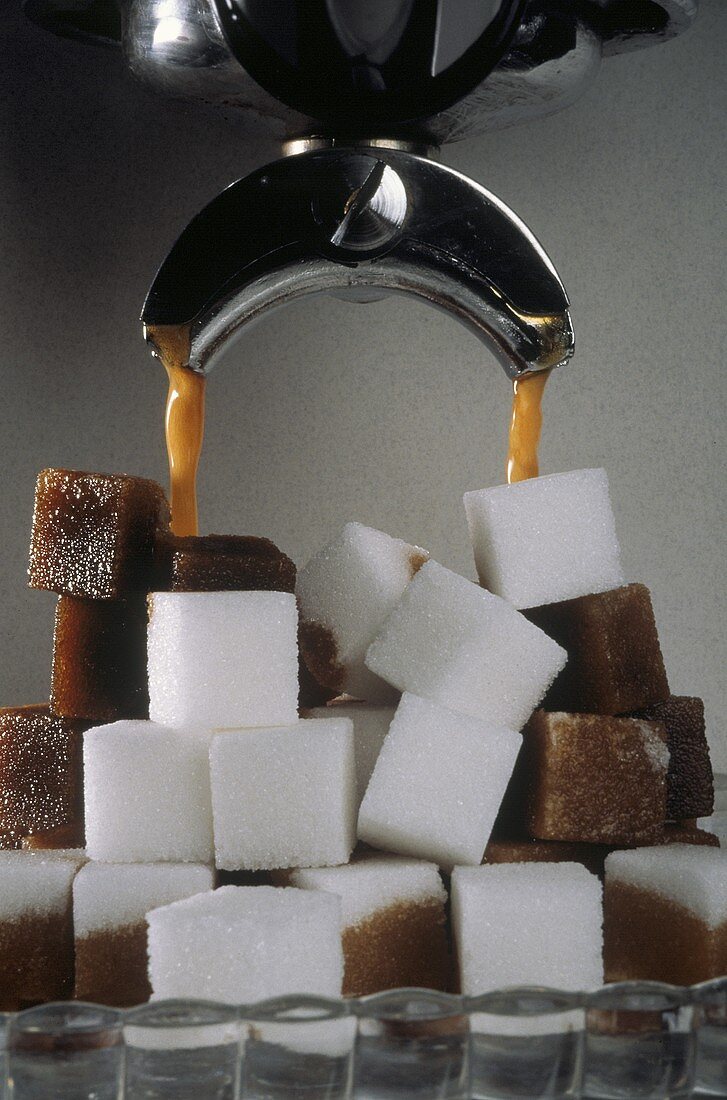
x=347 y=220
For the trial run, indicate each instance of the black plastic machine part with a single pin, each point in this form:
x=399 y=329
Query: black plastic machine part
x=307 y=52
x=367 y=65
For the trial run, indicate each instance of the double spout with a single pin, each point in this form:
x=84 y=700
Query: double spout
x=359 y=222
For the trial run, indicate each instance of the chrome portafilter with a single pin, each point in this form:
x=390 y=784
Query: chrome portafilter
x=363 y=221
x=362 y=209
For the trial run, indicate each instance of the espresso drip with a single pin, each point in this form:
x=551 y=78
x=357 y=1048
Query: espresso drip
x=184 y=422
x=525 y=425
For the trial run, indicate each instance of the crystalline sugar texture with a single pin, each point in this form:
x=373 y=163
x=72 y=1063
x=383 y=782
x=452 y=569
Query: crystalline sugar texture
x=346 y=592
x=223 y=563
x=110 y=903
x=690 y=782
x=41 y=784
x=454 y=643
x=107 y=896
x=223 y=659
x=370 y=727
x=595 y=778
x=93 y=534
x=545 y=539
x=527 y=924
x=437 y=784
x=147 y=793
x=241 y=944
x=99 y=659
x=284 y=797
x=394 y=926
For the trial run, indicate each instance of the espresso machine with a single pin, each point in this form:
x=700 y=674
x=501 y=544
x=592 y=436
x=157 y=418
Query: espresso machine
x=361 y=96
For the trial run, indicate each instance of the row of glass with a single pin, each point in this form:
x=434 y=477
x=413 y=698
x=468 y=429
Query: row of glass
x=633 y=1041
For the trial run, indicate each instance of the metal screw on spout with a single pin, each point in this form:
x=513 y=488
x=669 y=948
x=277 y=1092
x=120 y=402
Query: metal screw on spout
x=362 y=210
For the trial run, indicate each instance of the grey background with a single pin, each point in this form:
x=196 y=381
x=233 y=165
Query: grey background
x=383 y=413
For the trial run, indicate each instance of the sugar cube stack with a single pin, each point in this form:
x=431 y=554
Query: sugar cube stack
x=36 y=929
x=666 y=914
x=41 y=784
x=370 y=726
x=232 y=563
x=545 y=539
x=437 y=784
x=241 y=944
x=345 y=593
x=110 y=903
x=394 y=931
x=223 y=659
x=284 y=797
x=450 y=641
x=147 y=793
x=527 y=924
x=224 y=782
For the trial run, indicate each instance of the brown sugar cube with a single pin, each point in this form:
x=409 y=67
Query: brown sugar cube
x=394 y=924
x=311 y=694
x=222 y=563
x=676 y=832
x=36 y=929
x=110 y=903
x=665 y=914
x=614 y=658
x=690 y=782
x=64 y=838
x=99 y=659
x=595 y=779
x=93 y=534
x=592 y=856
x=41 y=770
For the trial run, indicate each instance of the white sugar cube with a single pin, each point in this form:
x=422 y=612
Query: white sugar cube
x=527 y=924
x=455 y=643
x=373 y=884
x=545 y=539
x=347 y=590
x=242 y=944
x=108 y=896
x=370 y=727
x=33 y=885
x=223 y=659
x=284 y=797
x=147 y=793
x=692 y=876
x=437 y=784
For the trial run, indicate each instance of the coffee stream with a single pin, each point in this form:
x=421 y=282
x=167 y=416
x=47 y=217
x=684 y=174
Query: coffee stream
x=525 y=425
x=185 y=423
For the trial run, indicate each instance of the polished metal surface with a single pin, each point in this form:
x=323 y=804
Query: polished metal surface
x=353 y=222
x=179 y=48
